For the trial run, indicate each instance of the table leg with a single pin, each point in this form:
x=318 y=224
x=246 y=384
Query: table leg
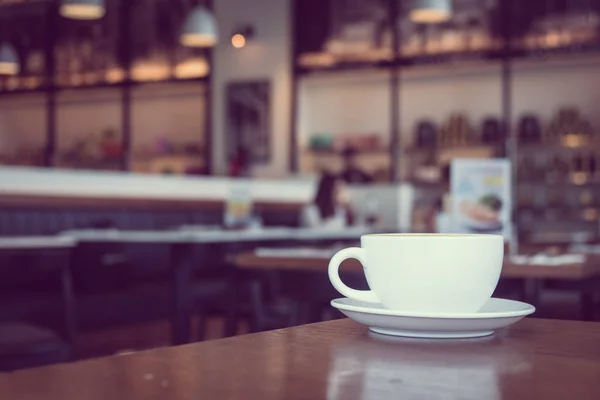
x=532 y=291
x=587 y=298
x=231 y=314
x=181 y=274
x=68 y=298
x=587 y=306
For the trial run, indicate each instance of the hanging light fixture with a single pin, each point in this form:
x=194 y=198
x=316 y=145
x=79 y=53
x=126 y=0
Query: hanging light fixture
x=82 y=9
x=9 y=61
x=430 y=11
x=199 y=29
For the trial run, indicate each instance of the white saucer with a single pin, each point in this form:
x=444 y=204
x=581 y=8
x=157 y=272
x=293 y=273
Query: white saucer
x=495 y=314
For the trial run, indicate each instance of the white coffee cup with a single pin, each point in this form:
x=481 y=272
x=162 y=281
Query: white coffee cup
x=427 y=273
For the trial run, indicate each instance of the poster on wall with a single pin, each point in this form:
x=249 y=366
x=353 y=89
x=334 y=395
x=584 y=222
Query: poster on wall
x=481 y=196
x=248 y=120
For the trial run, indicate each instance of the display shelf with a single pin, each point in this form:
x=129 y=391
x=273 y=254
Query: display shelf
x=88 y=56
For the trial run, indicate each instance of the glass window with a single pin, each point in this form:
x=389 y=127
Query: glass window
x=88 y=129
x=23 y=129
x=168 y=128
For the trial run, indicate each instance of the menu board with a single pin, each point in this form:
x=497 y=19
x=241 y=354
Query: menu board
x=238 y=207
x=481 y=196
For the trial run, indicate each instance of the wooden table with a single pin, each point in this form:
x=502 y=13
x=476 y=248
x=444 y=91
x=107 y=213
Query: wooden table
x=534 y=359
x=585 y=276
x=509 y=270
x=185 y=243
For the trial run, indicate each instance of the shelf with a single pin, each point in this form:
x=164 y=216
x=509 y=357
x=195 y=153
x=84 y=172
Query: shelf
x=101 y=165
x=445 y=60
x=425 y=185
x=47 y=89
x=174 y=81
x=344 y=67
x=581 y=214
x=589 y=146
x=578 y=49
x=550 y=185
x=340 y=153
x=450 y=58
x=18 y=92
x=433 y=60
x=87 y=87
x=174 y=163
x=471 y=146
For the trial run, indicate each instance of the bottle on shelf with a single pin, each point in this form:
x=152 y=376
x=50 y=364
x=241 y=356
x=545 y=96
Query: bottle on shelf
x=570 y=128
x=578 y=171
x=492 y=131
x=529 y=129
x=456 y=131
x=426 y=134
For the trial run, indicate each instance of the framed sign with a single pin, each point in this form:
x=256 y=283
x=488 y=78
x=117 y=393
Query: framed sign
x=481 y=196
x=248 y=120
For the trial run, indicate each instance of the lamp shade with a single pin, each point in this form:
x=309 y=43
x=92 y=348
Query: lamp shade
x=200 y=29
x=430 y=11
x=82 y=9
x=9 y=61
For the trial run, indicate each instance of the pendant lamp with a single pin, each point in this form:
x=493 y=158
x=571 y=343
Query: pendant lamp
x=200 y=28
x=430 y=11
x=9 y=61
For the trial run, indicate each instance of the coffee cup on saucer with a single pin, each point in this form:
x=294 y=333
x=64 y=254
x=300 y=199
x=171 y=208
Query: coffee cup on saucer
x=425 y=273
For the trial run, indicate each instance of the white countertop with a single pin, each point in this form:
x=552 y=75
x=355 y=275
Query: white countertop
x=36 y=242
x=214 y=236
x=29 y=181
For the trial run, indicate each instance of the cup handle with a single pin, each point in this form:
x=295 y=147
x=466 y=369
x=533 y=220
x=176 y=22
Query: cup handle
x=334 y=275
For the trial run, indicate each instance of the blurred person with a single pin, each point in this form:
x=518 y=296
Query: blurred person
x=330 y=207
x=352 y=173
